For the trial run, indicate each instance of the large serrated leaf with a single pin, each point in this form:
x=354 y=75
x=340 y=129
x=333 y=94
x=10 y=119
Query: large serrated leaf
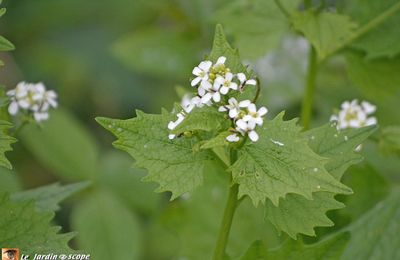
x=281 y=162
x=171 y=163
x=23 y=227
x=296 y=214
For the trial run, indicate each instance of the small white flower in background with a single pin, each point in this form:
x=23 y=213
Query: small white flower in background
x=254 y=115
x=188 y=103
x=355 y=115
x=32 y=98
x=234 y=107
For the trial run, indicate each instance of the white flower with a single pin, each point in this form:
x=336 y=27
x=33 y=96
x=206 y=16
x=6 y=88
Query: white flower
x=173 y=124
x=234 y=107
x=244 y=127
x=353 y=115
x=213 y=94
x=254 y=115
x=201 y=71
x=244 y=81
x=33 y=98
x=188 y=103
x=225 y=83
x=233 y=138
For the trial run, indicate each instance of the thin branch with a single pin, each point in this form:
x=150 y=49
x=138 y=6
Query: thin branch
x=282 y=8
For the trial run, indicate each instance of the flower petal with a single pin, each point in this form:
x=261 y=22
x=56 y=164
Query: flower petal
x=195 y=81
x=221 y=60
x=262 y=111
x=224 y=90
x=205 y=65
x=244 y=103
x=232 y=138
x=253 y=136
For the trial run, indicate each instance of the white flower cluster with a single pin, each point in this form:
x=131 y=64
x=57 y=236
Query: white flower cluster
x=213 y=82
x=355 y=115
x=245 y=116
x=33 y=98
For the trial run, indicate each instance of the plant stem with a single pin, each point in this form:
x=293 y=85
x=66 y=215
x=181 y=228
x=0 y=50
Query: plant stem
x=282 y=8
x=229 y=212
x=307 y=105
x=307 y=4
x=366 y=28
x=258 y=91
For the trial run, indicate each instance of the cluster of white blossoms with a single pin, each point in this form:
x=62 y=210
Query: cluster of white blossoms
x=213 y=83
x=32 y=98
x=355 y=115
x=245 y=117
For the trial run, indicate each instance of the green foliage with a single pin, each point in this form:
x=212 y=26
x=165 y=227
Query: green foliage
x=171 y=163
x=29 y=230
x=375 y=78
x=5 y=143
x=381 y=41
x=297 y=214
x=326 y=31
x=329 y=248
x=107 y=229
x=390 y=140
x=47 y=198
x=280 y=163
x=63 y=146
x=375 y=234
x=260 y=21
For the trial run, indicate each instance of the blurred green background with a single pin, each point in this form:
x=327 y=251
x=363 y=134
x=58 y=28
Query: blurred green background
x=108 y=58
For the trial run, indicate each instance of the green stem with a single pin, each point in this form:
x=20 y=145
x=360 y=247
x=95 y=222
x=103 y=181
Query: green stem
x=282 y=8
x=307 y=4
x=307 y=105
x=229 y=212
x=368 y=27
x=258 y=91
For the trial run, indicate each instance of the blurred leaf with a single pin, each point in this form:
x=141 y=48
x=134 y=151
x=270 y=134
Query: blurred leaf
x=107 y=229
x=5 y=45
x=29 y=230
x=119 y=176
x=5 y=143
x=382 y=40
x=297 y=214
x=48 y=197
x=326 y=31
x=217 y=141
x=260 y=27
x=204 y=119
x=9 y=181
x=158 y=52
x=63 y=145
x=369 y=188
x=375 y=234
x=281 y=162
x=390 y=140
x=377 y=78
x=329 y=248
x=171 y=163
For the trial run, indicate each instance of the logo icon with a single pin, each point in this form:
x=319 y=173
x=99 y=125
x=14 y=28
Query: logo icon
x=10 y=254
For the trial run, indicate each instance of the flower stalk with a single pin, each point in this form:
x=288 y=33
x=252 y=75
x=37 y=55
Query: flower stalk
x=308 y=99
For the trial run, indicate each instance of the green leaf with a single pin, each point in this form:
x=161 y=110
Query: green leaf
x=281 y=162
x=171 y=163
x=326 y=31
x=5 y=143
x=296 y=214
x=329 y=248
x=217 y=141
x=222 y=48
x=63 y=145
x=375 y=78
x=107 y=229
x=204 y=119
x=29 y=230
x=260 y=27
x=5 y=45
x=381 y=41
x=375 y=234
x=163 y=52
x=9 y=181
x=390 y=140
x=338 y=146
x=48 y=197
